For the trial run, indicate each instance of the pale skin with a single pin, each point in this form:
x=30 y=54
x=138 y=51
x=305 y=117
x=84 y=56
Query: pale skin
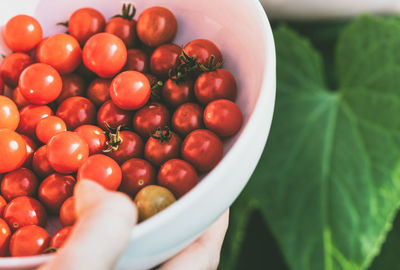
x=108 y=217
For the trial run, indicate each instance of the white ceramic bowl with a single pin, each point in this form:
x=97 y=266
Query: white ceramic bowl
x=242 y=32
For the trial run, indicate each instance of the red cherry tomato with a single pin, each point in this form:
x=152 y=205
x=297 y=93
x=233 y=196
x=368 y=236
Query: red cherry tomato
x=99 y=91
x=94 y=137
x=86 y=73
x=203 y=49
x=40 y=83
x=30 y=150
x=215 y=85
x=22 y=33
x=178 y=176
x=61 y=51
x=130 y=90
x=21 y=182
x=5 y=234
x=30 y=116
x=156 y=26
x=101 y=169
x=186 y=118
x=23 y=211
x=19 y=99
x=3 y=204
x=127 y=144
x=124 y=26
x=58 y=240
x=149 y=118
x=67 y=212
x=84 y=23
x=12 y=67
x=176 y=94
x=1 y=86
x=136 y=174
x=48 y=127
x=29 y=241
x=40 y=164
x=54 y=190
x=66 y=152
x=203 y=149
x=112 y=115
x=165 y=58
x=162 y=146
x=223 y=117
x=13 y=150
x=137 y=60
x=104 y=54
x=77 y=111
x=9 y=114
x=72 y=85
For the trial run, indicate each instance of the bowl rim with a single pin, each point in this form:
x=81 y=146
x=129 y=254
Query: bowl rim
x=139 y=230
x=208 y=181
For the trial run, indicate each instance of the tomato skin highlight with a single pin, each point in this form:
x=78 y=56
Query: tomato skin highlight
x=40 y=84
x=203 y=149
x=58 y=239
x=40 y=164
x=67 y=212
x=54 y=190
x=13 y=150
x=48 y=127
x=130 y=90
x=186 y=118
x=104 y=54
x=223 y=117
x=137 y=60
x=136 y=174
x=21 y=182
x=77 y=111
x=84 y=23
x=29 y=241
x=219 y=84
x=149 y=118
x=203 y=49
x=23 y=211
x=22 y=33
x=12 y=67
x=94 y=137
x=9 y=114
x=124 y=29
x=164 y=58
x=5 y=234
x=66 y=152
x=178 y=176
x=29 y=118
x=113 y=116
x=101 y=169
x=156 y=26
x=61 y=51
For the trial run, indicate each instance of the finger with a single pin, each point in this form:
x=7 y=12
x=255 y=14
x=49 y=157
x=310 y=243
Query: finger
x=102 y=231
x=205 y=251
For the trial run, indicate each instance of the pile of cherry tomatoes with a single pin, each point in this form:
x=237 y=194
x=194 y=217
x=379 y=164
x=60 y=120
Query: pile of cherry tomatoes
x=112 y=102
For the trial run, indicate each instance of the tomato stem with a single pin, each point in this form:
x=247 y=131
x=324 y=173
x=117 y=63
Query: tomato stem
x=162 y=134
x=113 y=138
x=128 y=12
x=63 y=23
x=50 y=250
x=211 y=66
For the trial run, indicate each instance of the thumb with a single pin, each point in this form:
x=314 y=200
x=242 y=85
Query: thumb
x=103 y=229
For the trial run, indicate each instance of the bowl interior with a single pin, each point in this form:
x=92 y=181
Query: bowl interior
x=239 y=28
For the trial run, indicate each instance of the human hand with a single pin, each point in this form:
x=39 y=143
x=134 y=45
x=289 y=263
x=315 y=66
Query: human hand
x=104 y=227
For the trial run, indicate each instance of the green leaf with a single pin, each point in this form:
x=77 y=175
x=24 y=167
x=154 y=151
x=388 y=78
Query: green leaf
x=239 y=216
x=328 y=181
x=388 y=259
